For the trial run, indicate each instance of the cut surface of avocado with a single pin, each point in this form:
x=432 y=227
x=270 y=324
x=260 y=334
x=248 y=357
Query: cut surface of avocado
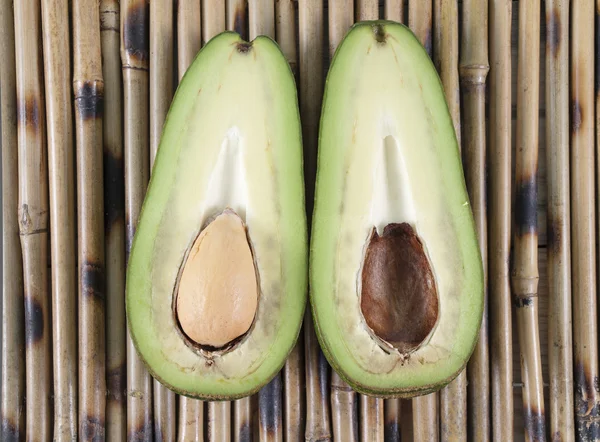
x=396 y=279
x=217 y=275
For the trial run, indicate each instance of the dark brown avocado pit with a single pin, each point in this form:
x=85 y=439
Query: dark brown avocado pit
x=399 y=298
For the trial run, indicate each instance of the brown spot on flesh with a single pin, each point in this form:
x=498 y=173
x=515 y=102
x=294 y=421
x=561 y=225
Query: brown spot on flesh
x=379 y=33
x=217 y=289
x=243 y=47
x=399 y=298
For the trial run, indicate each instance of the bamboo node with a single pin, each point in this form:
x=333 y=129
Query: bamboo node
x=473 y=74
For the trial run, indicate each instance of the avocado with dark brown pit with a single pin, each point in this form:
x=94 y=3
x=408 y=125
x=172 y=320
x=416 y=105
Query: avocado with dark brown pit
x=396 y=279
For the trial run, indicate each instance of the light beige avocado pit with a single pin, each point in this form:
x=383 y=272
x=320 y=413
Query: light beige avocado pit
x=217 y=290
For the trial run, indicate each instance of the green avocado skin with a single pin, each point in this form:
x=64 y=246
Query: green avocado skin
x=235 y=110
x=339 y=203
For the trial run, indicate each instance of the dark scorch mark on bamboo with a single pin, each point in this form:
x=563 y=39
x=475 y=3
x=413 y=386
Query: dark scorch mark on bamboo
x=554 y=234
x=34 y=321
x=28 y=112
x=9 y=432
x=391 y=430
x=92 y=429
x=239 y=21
x=141 y=434
x=270 y=405
x=553 y=32
x=114 y=190
x=534 y=423
x=576 y=116
x=428 y=42
x=587 y=412
x=92 y=280
x=89 y=100
x=244 y=434
x=323 y=370
x=136 y=32
x=116 y=383
x=526 y=205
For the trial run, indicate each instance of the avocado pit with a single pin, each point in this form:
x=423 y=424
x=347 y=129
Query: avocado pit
x=399 y=299
x=217 y=290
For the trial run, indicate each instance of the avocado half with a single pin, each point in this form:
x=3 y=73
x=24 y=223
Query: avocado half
x=222 y=236
x=396 y=279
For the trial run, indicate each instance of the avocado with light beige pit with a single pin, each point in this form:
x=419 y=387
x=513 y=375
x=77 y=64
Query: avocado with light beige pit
x=217 y=276
x=396 y=280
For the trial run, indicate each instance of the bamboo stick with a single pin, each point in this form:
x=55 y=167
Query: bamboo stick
x=242 y=420
x=262 y=22
x=524 y=273
x=437 y=34
x=448 y=47
x=237 y=17
x=33 y=217
x=419 y=20
x=367 y=10
x=453 y=398
x=285 y=31
x=341 y=17
x=344 y=409
x=57 y=75
x=585 y=321
x=191 y=420
x=219 y=413
x=371 y=418
x=12 y=418
x=473 y=71
x=270 y=411
x=134 y=62
x=392 y=418
x=560 y=340
x=294 y=406
x=213 y=19
x=394 y=10
x=371 y=409
x=188 y=34
x=88 y=91
x=294 y=403
x=261 y=18
x=425 y=418
x=500 y=215
x=191 y=411
x=425 y=408
x=161 y=93
x=114 y=225
x=219 y=421
x=311 y=23
x=242 y=408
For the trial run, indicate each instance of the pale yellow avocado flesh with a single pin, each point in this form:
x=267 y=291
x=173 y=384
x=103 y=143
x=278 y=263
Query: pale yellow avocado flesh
x=388 y=154
x=232 y=140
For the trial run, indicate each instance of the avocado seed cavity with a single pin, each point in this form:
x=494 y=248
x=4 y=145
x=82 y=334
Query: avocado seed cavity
x=398 y=298
x=217 y=293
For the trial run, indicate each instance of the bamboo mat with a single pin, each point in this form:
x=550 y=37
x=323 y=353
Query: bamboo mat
x=84 y=92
